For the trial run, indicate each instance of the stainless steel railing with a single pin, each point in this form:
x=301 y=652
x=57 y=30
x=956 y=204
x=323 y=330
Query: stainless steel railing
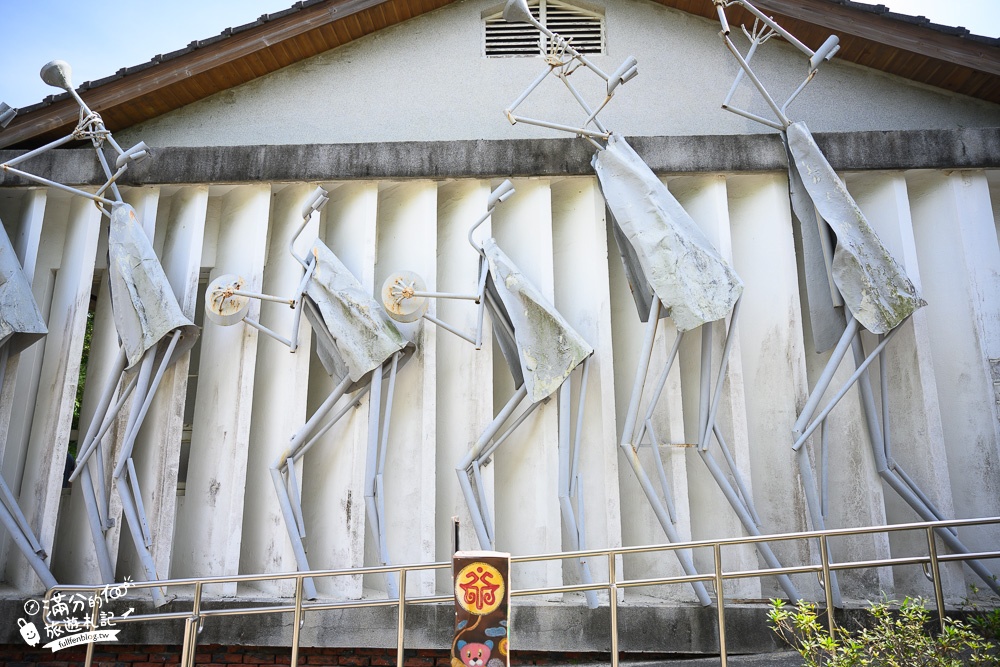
x=196 y=615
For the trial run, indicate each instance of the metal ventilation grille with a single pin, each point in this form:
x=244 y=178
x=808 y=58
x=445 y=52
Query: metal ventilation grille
x=585 y=30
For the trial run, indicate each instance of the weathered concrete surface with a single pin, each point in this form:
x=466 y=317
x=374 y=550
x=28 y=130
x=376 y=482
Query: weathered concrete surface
x=901 y=149
x=686 y=630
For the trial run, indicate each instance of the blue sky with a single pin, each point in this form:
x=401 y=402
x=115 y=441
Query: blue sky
x=110 y=34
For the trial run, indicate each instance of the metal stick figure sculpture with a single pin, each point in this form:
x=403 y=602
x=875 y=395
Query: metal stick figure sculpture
x=861 y=274
x=673 y=270
x=149 y=322
x=542 y=351
x=358 y=346
x=21 y=325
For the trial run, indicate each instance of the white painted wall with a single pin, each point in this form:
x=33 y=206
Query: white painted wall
x=427 y=79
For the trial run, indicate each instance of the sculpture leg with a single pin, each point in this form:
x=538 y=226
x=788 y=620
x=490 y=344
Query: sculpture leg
x=569 y=451
x=128 y=484
x=300 y=443
x=898 y=484
x=631 y=451
x=741 y=502
x=17 y=526
x=375 y=464
x=480 y=513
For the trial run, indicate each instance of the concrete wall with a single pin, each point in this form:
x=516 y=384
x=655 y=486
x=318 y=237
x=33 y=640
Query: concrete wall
x=246 y=394
x=427 y=79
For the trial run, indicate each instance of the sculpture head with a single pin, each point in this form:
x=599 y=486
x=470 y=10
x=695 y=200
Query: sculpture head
x=59 y=74
x=516 y=11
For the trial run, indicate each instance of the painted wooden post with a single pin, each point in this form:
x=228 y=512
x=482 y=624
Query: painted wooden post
x=482 y=609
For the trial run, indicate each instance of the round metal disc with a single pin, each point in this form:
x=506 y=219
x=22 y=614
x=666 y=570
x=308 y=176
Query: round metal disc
x=398 y=299
x=222 y=306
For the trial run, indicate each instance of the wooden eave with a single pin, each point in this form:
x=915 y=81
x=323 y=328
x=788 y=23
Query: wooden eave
x=909 y=47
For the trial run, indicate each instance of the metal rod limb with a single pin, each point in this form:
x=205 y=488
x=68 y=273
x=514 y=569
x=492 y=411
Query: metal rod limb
x=826 y=377
x=640 y=372
x=107 y=570
x=473 y=454
x=294 y=497
x=110 y=385
x=662 y=473
x=297 y=546
x=744 y=492
x=658 y=391
x=763 y=548
x=134 y=523
x=133 y=431
x=133 y=479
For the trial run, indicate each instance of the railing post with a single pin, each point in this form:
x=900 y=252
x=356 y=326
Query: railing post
x=297 y=620
x=613 y=602
x=89 y=660
x=824 y=558
x=402 y=617
x=191 y=629
x=720 y=603
x=936 y=573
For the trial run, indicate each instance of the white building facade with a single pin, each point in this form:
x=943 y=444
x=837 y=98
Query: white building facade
x=405 y=129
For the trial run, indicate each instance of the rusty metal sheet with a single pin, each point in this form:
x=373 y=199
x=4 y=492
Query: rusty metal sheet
x=357 y=335
x=21 y=323
x=143 y=303
x=548 y=347
x=680 y=264
x=875 y=287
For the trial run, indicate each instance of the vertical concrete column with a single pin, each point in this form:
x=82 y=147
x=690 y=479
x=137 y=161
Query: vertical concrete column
x=579 y=243
x=706 y=201
x=209 y=526
x=333 y=490
x=464 y=374
x=180 y=230
x=45 y=457
x=915 y=428
x=23 y=226
x=527 y=472
x=407 y=239
x=639 y=524
x=959 y=258
x=24 y=229
x=279 y=395
x=774 y=363
x=76 y=558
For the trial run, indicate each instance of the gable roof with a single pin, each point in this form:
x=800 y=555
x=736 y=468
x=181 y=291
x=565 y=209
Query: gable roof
x=910 y=47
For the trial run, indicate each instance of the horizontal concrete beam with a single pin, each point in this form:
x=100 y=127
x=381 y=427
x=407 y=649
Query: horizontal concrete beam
x=971 y=148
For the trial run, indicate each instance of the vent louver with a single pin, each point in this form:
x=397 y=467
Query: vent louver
x=584 y=28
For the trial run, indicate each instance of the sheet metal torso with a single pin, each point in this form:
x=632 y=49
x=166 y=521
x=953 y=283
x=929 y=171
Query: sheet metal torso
x=20 y=319
x=875 y=287
x=677 y=260
x=548 y=347
x=361 y=336
x=144 y=306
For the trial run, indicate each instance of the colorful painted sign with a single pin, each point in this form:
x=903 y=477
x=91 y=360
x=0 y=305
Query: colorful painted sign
x=482 y=604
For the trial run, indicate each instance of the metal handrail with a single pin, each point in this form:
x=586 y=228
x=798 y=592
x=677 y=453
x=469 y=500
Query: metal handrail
x=195 y=617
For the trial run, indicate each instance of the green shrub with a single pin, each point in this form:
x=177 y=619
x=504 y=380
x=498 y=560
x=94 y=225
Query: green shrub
x=894 y=637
